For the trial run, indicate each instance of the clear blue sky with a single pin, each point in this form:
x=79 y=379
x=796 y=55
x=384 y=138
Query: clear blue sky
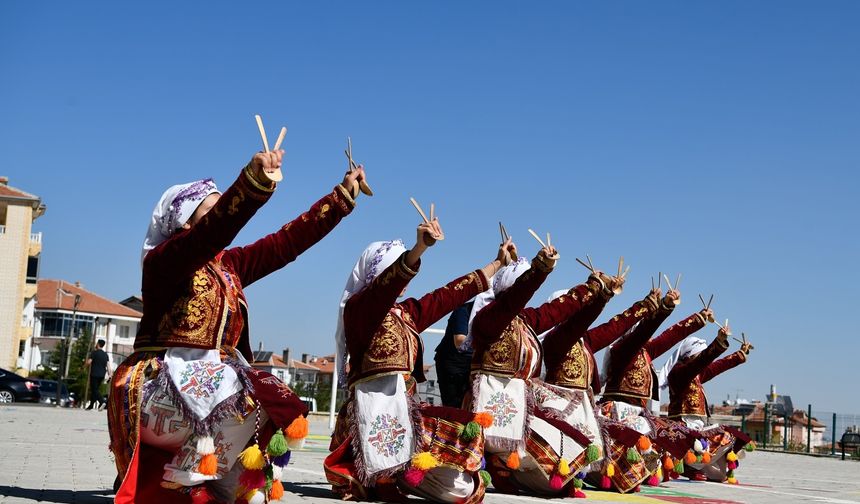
x=720 y=140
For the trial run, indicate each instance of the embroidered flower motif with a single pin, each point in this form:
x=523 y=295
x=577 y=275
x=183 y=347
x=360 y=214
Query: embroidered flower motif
x=503 y=408
x=201 y=379
x=386 y=435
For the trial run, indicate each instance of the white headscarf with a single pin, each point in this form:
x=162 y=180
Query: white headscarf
x=555 y=295
x=500 y=282
x=173 y=210
x=689 y=347
x=374 y=260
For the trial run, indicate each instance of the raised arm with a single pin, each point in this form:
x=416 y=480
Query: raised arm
x=723 y=365
x=435 y=305
x=603 y=335
x=552 y=313
x=685 y=371
x=561 y=337
x=673 y=335
x=626 y=348
x=494 y=318
x=280 y=248
x=189 y=249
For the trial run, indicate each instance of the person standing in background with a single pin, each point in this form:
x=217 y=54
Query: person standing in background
x=453 y=358
x=98 y=363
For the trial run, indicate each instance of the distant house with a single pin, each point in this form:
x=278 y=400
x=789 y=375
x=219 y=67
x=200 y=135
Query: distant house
x=133 y=302
x=753 y=419
x=273 y=363
x=57 y=317
x=429 y=390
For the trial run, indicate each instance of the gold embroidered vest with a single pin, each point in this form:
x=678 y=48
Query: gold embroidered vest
x=516 y=354
x=394 y=348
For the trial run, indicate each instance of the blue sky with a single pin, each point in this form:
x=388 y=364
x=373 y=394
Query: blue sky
x=719 y=140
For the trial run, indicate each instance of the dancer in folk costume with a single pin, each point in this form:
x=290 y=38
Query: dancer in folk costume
x=186 y=405
x=527 y=450
x=692 y=364
x=631 y=384
x=385 y=444
x=572 y=377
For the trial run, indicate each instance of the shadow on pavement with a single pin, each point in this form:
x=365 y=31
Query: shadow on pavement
x=308 y=490
x=59 y=496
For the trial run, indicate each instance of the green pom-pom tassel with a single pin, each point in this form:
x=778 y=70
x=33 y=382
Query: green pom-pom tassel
x=277 y=445
x=577 y=483
x=485 y=477
x=633 y=455
x=471 y=431
x=750 y=447
x=592 y=453
x=679 y=466
x=698 y=459
x=460 y=429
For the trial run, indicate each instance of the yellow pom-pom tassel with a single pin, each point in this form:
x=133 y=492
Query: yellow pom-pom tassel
x=484 y=419
x=252 y=458
x=659 y=473
x=644 y=444
x=610 y=470
x=732 y=481
x=298 y=429
x=277 y=490
x=732 y=457
x=424 y=461
x=563 y=467
x=208 y=465
x=513 y=461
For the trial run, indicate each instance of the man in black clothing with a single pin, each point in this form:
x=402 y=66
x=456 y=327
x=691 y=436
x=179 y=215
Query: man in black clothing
x=98 y=363
x=452 y=363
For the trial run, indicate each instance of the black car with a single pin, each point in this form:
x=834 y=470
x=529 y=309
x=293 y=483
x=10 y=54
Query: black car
x=48 y=388
x=17 y=388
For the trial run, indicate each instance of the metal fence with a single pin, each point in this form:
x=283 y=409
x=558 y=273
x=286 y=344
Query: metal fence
x=805 y=431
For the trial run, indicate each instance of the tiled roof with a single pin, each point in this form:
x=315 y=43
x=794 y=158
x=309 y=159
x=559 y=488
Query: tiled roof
x=324 y=364
x=798 y=417
x=11 y=192
x=302 y=365
x=47 y=298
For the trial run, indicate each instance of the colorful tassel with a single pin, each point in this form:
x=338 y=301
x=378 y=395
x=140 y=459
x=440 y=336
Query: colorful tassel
x=485 y=477
x=252 y=479
x=706 y=457
x=732 y=465
x=460 y=429
x=205 y=445
x=424 y=461
x=513 y=461
x=668 y=464
x=592 y=453
x=679 y=467
x=732 y=481
x=277 y=445
x=644 y=444
x=579 y=494
x=483 y=462
x=413 y=476
x=563 y=467
x=200 y=495
x=555 y=482
x=298 y=429
x=277 y=472
x=252 y=458
x=690 y=458
x=277 y=490
x=750 y=447
x=633 y=455
x=610 y=470
x=697 y=446
x=484 y=419
x=577 y=483
x=653 y=480
x=582 y=475
x=471 y=431
x=257 y=498
x=705 y=444
x=208 y=465
x=605 y=483
x=732 y=456
x=659 y=473
x=282 y=460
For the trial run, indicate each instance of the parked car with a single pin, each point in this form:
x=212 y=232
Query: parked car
x=15 y=388
x=48 y=388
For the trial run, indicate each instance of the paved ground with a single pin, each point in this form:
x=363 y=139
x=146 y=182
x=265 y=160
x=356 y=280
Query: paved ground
x=61 y=456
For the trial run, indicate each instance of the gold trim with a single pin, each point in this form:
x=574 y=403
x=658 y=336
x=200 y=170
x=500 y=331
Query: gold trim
x=255 y=183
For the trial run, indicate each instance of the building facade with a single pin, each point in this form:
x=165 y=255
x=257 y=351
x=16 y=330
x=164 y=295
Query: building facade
x=56 y=316
x=19 y=266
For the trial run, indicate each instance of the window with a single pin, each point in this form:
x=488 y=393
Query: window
x=123 y=331
x=32 y=269
x=60 y=324
x=21 y=345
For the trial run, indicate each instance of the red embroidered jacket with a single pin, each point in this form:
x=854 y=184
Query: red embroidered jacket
x=686 y=394
x=569 y=348
x=504 y=331
x=192 y=287
x=631 y=377
x=382 y=336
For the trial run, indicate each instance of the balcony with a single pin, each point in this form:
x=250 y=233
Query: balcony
x=36 y=238
x=35 y=244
